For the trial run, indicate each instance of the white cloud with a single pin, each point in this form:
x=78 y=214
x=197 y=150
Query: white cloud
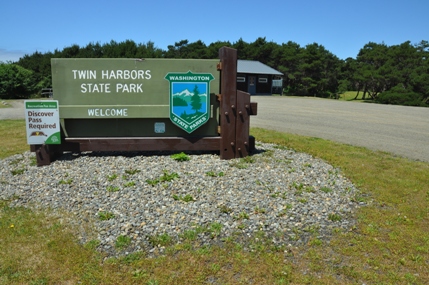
x=11 y=55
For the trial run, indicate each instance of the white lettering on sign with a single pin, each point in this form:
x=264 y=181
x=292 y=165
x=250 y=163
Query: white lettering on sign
x=189 y=78
x=181 y=123
x=84 y=74
x=129 y=88
x=198 y=123
x=134 y=74
x=126 y=74
x=99 y=112
x=95 y=87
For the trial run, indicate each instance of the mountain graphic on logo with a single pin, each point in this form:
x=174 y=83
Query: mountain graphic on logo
x=184 y=93
x=187 y=95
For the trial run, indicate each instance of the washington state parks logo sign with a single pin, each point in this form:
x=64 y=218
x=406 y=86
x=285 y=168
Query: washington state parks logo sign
x=189 y=99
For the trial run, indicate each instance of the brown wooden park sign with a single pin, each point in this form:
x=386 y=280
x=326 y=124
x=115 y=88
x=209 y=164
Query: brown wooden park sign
x=149 y=105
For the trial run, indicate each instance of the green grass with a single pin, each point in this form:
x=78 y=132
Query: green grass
x=388 y=245
x=351 y=95
x=14 y=139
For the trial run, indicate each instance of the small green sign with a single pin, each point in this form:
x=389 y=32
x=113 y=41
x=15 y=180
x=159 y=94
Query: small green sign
x=189 y=99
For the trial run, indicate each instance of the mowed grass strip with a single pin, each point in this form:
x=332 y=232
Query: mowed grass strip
x=389 y=244
x=13 y=138
x=352 y=96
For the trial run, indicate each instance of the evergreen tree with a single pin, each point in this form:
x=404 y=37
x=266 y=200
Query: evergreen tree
x=196 y=100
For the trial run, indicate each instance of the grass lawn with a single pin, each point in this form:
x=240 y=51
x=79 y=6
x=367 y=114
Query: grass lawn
x=388 y=245
x=13 y=137
x=351 y=95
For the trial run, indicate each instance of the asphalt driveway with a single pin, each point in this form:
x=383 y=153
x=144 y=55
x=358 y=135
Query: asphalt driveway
x=400 y=130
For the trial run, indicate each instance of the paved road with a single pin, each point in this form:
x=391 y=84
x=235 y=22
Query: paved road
x=400 y=130
x=403 y=131
x=14 y=113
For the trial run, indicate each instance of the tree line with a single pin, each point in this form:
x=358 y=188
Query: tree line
x=397 y=74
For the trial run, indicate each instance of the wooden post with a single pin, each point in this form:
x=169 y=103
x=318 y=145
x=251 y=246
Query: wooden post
x=235 y=110
x=45 y=154
x=242 y=125
x=228 y=102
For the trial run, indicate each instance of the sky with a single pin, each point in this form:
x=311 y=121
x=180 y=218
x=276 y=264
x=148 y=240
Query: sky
x=343 y=27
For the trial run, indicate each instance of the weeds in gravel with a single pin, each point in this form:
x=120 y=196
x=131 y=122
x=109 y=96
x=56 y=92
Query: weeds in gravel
x=112 y=188
x=33 y=161
x=225 y=209
x=242 y=216
x=130 y=184
x=152 y=182
x=180 y=157
x=122 y=242
x=112 y=177
x=285 y=210
x=187 y=198
x=104 y=216
x=326 y=189
x=66 y=181
x=243 y=162
x=17 y=171
x=132 y=171
x=166 y=177
x=259 y=210
x=334 y=217
x=214 y=174
x=161 y=240
x=16 y=161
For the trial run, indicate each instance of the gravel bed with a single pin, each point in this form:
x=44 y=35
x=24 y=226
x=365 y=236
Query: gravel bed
x=130 y=202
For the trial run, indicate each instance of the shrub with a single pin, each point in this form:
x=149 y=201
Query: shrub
x=16 y=82
x=401 y=98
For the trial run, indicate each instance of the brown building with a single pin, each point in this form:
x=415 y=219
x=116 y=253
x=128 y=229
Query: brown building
x=256 y=78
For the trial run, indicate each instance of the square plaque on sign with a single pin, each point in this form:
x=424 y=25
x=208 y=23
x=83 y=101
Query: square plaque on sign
x=159 y=128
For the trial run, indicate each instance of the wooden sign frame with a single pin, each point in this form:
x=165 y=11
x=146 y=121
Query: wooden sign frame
x=233 y=141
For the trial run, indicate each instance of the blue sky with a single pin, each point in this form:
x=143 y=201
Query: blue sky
x=342 y=26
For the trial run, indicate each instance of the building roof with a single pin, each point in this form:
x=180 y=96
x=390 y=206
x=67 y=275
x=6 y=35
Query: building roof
x=252 y=66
